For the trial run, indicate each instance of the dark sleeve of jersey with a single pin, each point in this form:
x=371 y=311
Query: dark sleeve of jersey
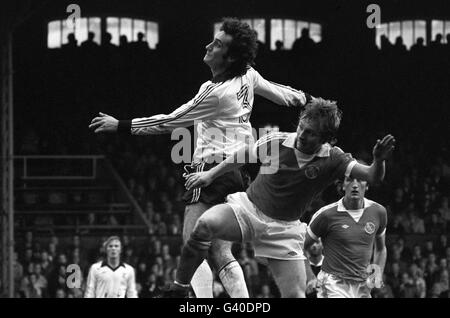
x=383 y=219
x=318 y=225
x=340 y=161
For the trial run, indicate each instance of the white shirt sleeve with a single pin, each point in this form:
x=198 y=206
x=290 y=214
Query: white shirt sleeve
x=277 y=93
x=202 y=107
x=91 y=284
x=131 y=285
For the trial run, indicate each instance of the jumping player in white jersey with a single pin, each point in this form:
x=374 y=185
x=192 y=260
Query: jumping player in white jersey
x=296 y=167
x=349 y=230
x=111 y=278
x=223 y=106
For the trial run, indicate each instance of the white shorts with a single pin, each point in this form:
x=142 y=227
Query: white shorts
x=330 y=286
x=271 y=238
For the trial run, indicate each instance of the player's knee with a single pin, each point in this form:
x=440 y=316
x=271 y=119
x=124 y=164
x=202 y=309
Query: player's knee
x=220 y=258
x=220 y=253
x=203 y=229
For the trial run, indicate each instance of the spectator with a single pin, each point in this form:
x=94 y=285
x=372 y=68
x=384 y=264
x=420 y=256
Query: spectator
x=60 y=293
x=40 y=280
x=417 y=254
x=429 y=248
x=442 y=245
x=396 y=227
x=444 y=284
x=90 y=44
x=150 y=288
x=417 y=224
x=418 y=48
x=420 y=283
x=57 y=280
x=394 y=278
x=46 y=264
x=18 y=271
x=407 y=288
x=167 y=258
x=304 y=44
x=142 y=273
x=444 y=211
x=435 y=225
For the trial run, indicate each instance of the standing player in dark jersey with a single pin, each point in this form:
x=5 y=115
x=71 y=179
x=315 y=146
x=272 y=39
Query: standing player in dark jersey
x=295 y=168
x=348 y=229
x=222 y=110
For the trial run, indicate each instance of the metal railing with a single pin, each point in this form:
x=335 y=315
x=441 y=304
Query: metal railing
x=64 y=167
x=71 y=168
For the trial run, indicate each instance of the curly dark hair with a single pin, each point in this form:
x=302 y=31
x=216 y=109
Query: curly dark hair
x=243 y=47
x=327 y=114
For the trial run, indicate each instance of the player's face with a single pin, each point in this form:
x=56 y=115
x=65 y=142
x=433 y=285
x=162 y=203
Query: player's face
x=354 y=188
x=309 y=139
x=216 y=51
x=113 y=249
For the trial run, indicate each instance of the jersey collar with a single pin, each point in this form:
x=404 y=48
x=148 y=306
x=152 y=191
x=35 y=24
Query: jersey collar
x=105 y=263
x=341 y=207
x=323 y=152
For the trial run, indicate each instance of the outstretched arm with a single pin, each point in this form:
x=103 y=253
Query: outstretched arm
x=202 y=107
x=375 y=172
x=104 y=123
x=278 y=93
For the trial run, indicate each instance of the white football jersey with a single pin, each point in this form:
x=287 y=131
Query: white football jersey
x=221 y=111
x=106 y=282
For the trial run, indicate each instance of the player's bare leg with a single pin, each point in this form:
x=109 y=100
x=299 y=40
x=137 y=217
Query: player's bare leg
x=219 y=222
x=202 y=281
x=230 y=271
x=290 y=276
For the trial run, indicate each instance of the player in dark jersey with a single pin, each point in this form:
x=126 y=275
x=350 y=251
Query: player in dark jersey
x=295 y=168
x=348 y=229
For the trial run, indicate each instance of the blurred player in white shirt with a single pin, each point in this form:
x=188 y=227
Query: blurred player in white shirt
x=111 y=278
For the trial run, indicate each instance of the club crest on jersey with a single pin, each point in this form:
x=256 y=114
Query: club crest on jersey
x=369 y=228
x=311 y=172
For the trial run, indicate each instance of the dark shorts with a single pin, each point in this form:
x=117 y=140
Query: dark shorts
x=217 y=191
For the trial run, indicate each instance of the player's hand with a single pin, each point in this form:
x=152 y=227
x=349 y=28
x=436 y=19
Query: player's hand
x=383 y=148
x=311 y=286
x=197 y=180
x=374 y=283
x=104 y=123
